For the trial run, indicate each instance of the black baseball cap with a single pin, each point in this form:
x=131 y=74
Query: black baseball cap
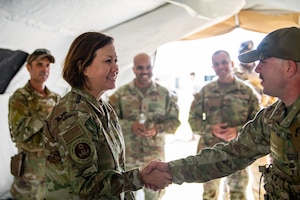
x=40 y=54
x=283 y=43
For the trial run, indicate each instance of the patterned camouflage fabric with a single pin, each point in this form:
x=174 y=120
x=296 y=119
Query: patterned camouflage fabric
x=159 y=107
x=253 y=78
x=274 y=130
x=233 y=104
x=84 y=150
x=27 y=112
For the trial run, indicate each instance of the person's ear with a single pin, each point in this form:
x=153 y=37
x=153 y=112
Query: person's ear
x=292 y=67
x=28 y=67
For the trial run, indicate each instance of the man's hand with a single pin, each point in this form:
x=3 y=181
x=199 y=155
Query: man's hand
x=160 y=175
x=230 y=133
x=151 y=132
x=223 y=132
x=138 y=129
x=156 y=179
x=141 y=130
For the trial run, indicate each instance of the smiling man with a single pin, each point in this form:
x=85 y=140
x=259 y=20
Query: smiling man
x=28 y=108
x=146 y=111
x=217 y=114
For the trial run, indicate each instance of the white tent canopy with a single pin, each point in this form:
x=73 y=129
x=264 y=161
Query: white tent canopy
x=137 y=26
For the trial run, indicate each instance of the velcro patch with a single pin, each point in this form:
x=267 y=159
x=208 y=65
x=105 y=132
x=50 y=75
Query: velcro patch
x=81 y=151
x=72 y=133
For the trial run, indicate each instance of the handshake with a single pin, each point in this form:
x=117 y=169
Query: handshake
x=156 y=175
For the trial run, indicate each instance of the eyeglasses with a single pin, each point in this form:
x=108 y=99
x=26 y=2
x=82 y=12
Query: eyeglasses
x=149 y=67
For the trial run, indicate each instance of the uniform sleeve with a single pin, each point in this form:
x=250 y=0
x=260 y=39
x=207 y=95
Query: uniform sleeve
x=224 y=158
x=171 y=122
x=107 y=184
x=79 y=157
x=197 y=116
x=23 y=123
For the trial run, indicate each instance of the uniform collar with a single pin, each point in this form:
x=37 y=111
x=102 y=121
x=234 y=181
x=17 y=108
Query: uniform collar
x=88 y=97
x=32 y=90
x=232 y=86
x=291 y=113
x=135 y=89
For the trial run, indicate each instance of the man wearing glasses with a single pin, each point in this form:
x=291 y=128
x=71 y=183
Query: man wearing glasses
x=147 y=111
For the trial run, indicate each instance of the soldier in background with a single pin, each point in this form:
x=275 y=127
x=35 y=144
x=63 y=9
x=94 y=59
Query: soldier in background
x=217 y=113
x=28 y=108
x=246 y=72
x=147 y=111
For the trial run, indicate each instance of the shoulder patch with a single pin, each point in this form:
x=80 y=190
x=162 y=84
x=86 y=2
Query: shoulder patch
x=81 y=148
x=81 y=151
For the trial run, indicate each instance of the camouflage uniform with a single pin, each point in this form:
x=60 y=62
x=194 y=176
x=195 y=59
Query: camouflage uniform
x=233 y=104
x=253 y=78
x=160 y=108
x=27 y=112
x=85 y=151
x=274 y=130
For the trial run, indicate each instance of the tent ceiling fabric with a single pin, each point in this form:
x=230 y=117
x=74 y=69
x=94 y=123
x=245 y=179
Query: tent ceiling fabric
x=249 y=20
x=71 y=17
x=251 y=15
x=214 y=8
x=210 y=9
